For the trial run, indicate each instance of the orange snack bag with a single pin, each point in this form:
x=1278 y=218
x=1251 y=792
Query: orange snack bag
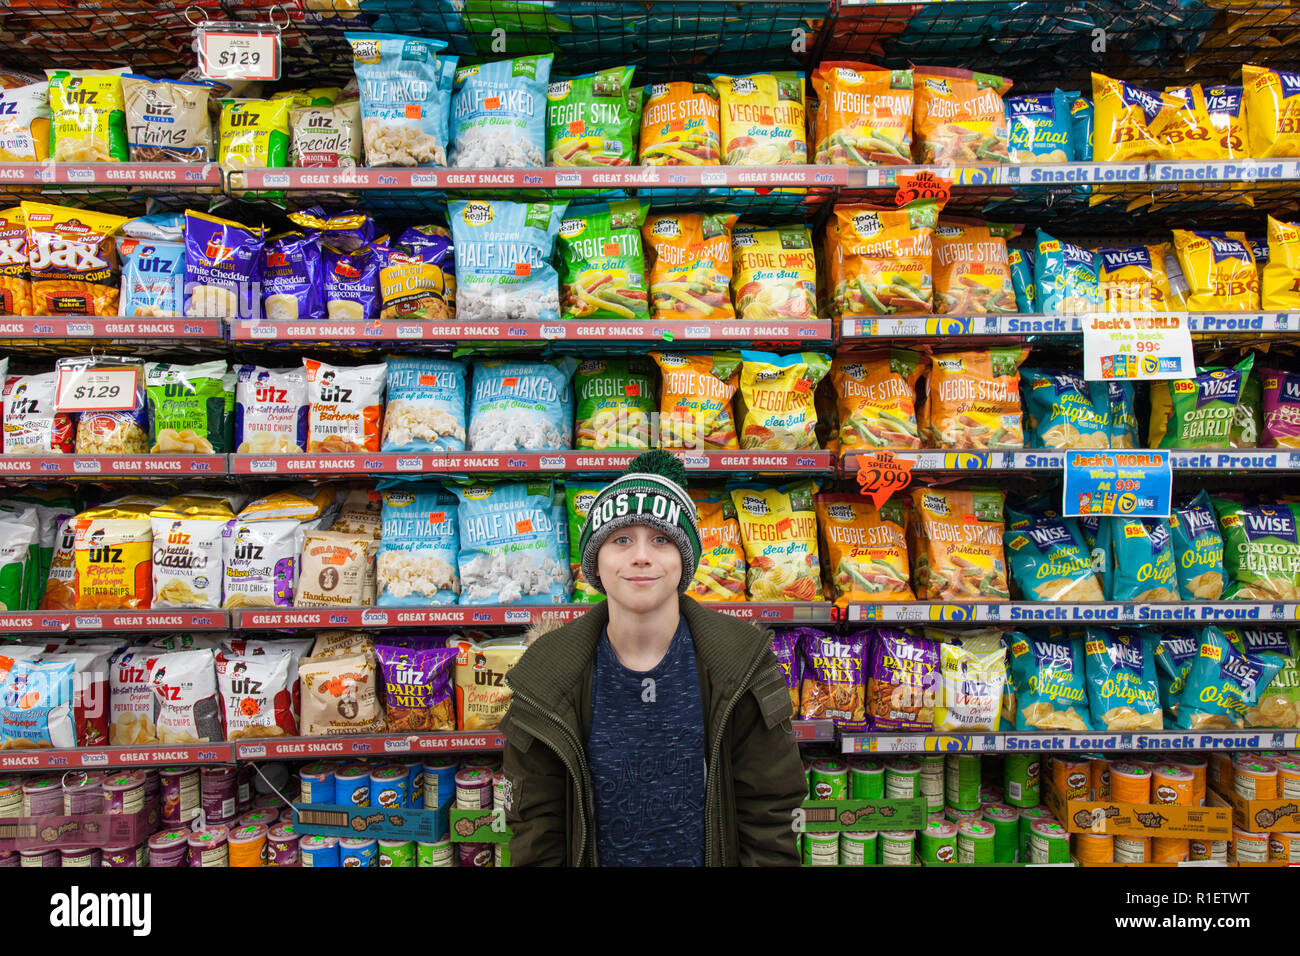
x=15 y=278
x=864 y=115
x=875 y=395
x=884 y=258
x=972 y=273
x=695 y=399
x=689 y=259
x=680 y=125
x=865 y=548
x=961 y=533
x=73 y=260
x=973 y=400
x=720 y=575
x=960 y=116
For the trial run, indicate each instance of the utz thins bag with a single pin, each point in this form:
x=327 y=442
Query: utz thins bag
x=865 y=548
x=833 y=685
x=960 y=116
x=864 y=116
x=882 y=258
x=875 y=396
x=902 y=681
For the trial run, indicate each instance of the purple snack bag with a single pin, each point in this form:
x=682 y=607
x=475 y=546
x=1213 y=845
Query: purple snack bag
x=433 y=244
x=832 y=685
x=1281 y=408
x=352 y=283
x=345 y=231
x=291 y=279
x=418 y=687
x=222 y=267
x=785 y=645
x=901 y=681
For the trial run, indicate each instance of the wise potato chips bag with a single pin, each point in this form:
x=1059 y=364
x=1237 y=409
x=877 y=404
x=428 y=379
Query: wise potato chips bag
x=864 y=115
x=961 y=533
x=680 y=125
x=1118 y=401
x=87 y=116
x=1281 y=408
x=720 y=575
x=1202 y=409
x=1219 y=269
x=72 y=259
x=1042 y=127
x=865 y=548
x=774 y=274
x=1206 y=123
x=1174 y=657
x=974 y=399
x=779 y=529
x=1144 y=560
x=875 y=395
x=1065 y=277
x=1261 y=550
x=1021 y=264
x=1198 y=549
x=1272 y=111
x=884 y=258
x=971 y=270
x=695 y=399
x=1224 y=684
x=1048 y=557
x=1060 y=411
x=603 y=272
x=1280 y=275
x=776 y=407
x=762 y=119
x=1278 y=704
x=1123 y=693
x=690 y=265
x=1135 y=279
x=960 y=116
x=1051 y=683
x=592 y=120
x=1123 y=116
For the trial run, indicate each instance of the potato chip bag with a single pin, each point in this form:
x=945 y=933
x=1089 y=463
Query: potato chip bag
x=344 y=406
x=113 y=551
x=1135 y=279
x=616 y=400
x=1281 y=408
x=1123 y=116
x=87 y=116
x=1117 y=401
x=971 y=271
x=1060 y=411
x=252 y=134
x=864 y=115
x=974 y=399
x=865 y=548
x=1174 y=657
x=875 y=394
x=187 y=553
x=1224 y=684
x=1081 y=113
x=960 y=116
x=1144 y=560
x=592 y=120
x=1202 y=409
x=36 y=699
x=902 y=681
x=775 y=406
x=338 y=695
x=1048 y=557
x=720 y=574
x=1097 y=533
x=1021 y=264
x=1206 y=123
x=680 y=125
x=787 y=645
x=778 y=527
x=1280 y=276
x=72 y=260
x=884 y=258
x=774 y=274
x=1050 y=678
x=1248 y=418
x=603 y=272
x=187 y=407
x=25 y=121
x=689 y=259
x=1198 y=549
x=960 y=533
x=1122 y=679
x=1272 y=111
x=482 y=693
x=1065 y=278
x=834 y=685
x=15 y=272
x=1278 y=704
x=762 y=119
x=1041 y=127
x=972 y=673
x=695 y=399
x=1219 y=269
x=1261 y=550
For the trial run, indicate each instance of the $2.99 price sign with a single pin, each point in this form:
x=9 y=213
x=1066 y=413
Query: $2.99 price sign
x=881 y=474
x=96 y=389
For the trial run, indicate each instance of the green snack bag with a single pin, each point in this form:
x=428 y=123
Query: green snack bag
x=603 y=272
x=1248 y=420
x=580 y=496
x=187 y=407
x=615 y=403
x=1205 y=407
x=593 y=120
x=1278 y=704
x=1261 y=550
x=19 y=561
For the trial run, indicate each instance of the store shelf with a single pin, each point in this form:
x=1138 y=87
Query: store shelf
x=1070 y=174
x=885 y=742
x=814 y=731
x=105 y=465
x=368 y=745
x=87 y=327
x=524 y=462
x=99 y=757
x=1205 y=460
x=1101 y=612
x=929 y=326
x=134 y=176
x=50 y=622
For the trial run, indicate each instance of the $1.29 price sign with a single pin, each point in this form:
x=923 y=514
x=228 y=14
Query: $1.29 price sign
x=239 y=52
x=95 y=389
x=881 y=474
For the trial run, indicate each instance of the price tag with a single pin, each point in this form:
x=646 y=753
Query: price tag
x=238 y=51
x=95 y=389
x=881 y=474
x=922 y=185
x=1119 y=346
x=1136 y=484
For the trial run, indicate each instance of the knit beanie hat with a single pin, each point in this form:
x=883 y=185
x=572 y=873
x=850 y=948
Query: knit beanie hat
x=651 y=492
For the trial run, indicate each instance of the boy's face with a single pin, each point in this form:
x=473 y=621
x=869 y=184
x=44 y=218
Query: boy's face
x=640 y=568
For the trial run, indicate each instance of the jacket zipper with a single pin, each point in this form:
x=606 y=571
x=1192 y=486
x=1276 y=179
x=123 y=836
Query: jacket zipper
x=581 y=781
x=716 y=753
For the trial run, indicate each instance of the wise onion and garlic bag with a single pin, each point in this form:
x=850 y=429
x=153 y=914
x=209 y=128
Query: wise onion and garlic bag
x=1198 y=412
x=775 y=405
x=1261 y=550
x=778 y=526
x=875 y=394
x=864 y=548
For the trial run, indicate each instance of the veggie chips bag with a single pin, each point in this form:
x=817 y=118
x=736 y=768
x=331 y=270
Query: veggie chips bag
x=865 y=548
x=1219 y=268
x=695 y=399
x=680 y=125
x=1123 y=693
x=884 y=259
x=875 y=394
x=690 y=266
x=864 y=115
x=774 y=274
x=720 y=574
x=592 y=120
x=1272 y=111
x=1198 y=549
x=974 y=399
x=762 y=119
x=961 y=537
x=960 y=116
x=776 y=407
x=603 y=276
x=971 y=271
x=779 y=529
x=1048 y=557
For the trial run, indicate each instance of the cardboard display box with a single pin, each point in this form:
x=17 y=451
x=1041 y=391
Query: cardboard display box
x=837 y=816
x=1168 y=820
x=1259 y=816
x=349 y=822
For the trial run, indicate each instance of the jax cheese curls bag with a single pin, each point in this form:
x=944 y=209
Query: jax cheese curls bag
x=974 y=399
x=680 y=125
x=720 y=575
x=883 y=259
x=961 y=535
x=1048 y=557
x=864 y=115
x=1219 y=269
x=834 y=685
x=960 y=116
x=72 y=260
x=1051 y=684
x=864 y=548
x=779 y=529
x=1123 y=690
x=603 y=272
x=15 y=272
x=1272 y=111
x=776 y=408
x=762 y=119
x=695 y=399
x=774 y=274
x=875 y=395
x=971 y=271
x=689 y=258
x=592 y=120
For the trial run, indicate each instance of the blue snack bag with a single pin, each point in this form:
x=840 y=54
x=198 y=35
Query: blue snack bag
x=1123 y=688
x=503 y=259
x=1174 y=657
x=426 y=405
x=405 y=87
x=1198 y=549
x=153 y=278
x=1223 y=684
x=1051 y=683
x=1081 y=116
x=1041 y=128
x=1065 y=276
x=1022 y=280
x=1144 y=560
x=498 y=113
x=418 y=560
x=510 y=550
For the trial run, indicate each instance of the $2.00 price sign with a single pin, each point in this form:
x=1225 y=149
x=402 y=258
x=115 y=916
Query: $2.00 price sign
x=96 y=389
x=880 y=474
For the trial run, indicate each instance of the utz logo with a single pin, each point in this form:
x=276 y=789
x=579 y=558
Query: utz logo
x=754 y=505
x=666 y=227
x=935 y=504
x=477 y=213
x=867 y=224
x=938 y=86
x=841 y=512
x=952 y=365
x=365 y=51
x=1118 y=258
x=743 y=86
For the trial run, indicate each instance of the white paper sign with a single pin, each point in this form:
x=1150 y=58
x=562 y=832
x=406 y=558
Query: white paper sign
x=1124 y=346
x=243 y=52
x=95 y=390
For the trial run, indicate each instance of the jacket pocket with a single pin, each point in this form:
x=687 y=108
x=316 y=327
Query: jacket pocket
x=518 y=738
x=773 y=700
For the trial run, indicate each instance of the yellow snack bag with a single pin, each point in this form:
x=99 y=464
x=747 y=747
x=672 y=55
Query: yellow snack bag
x=72 y=259
x=15 y=273
x=679 y=125
x=1136 y=279
x=972 y=674
x=972 y=273
x=720 y=575
x=960 y=533
x=762 y=119
x=695 y=399
x=864 y=115
x=875 y=393
x=1219 y=268
x=87 y=116
x=974 y=399
x=689 y=260
x=779 y=529
x=1123 y=116
x=774 y=274
x=865 y=548
x=884 y=258
x=1207 y=123
x=1272 y=111
x=776 y=407
x=254 y=133
x=1280 y=277
x=113 y=553
x=960 y=116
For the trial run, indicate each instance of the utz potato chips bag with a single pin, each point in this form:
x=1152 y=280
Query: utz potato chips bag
x=1041 y=127
x=1206 y=123
x=884 y=259
x=1123 y=117
x=1135 y=279
x=875 y=395
x=776 y=407
x=254 y=133
x=1144 y=560
x=1065 y=278
x=72 y=260
x=1223 y=685
x=974 y=399
x=680 y=125
x=1198 y=549
x=1280 y=427
x=972 y=674
x=1123 y=693
x=720 y=574
x=864 y=115
x=113 y=553
x=1280 y=276
x=774 y=274
x=1050 y=678
x=1261 y=550
x=778 y=527
x=1203 y=408
x=865 y=548
x=762 y=119
x=1219 y=269
x=603 y=275
x=1048 y=557
x=695 y=399
x=690 y=266
x=87 y=116
x=1060 y=411
x=971 y=270
x=1272 y=111
x=960 y=116
x=592 y=120
x=960 y=533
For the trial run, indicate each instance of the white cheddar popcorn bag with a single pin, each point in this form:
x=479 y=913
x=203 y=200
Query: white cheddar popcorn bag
x=417 y=564
x=426 y=405
x=510 y=547
x=270 y=410
x=522 y=406
x=345 y=406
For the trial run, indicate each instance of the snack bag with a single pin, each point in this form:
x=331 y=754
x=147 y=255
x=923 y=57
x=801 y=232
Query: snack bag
x=884 y=258
x=418 y=687
x=1175 y=655
x=1261 y=550
x=419 y=550
x=1062 y=412
x=1280 y=275
x=291 y=279
x=1281 y=407
x=87 y=116
x=36 y=700
x=113 y=552
x=1021 y=264
x=1203 y=408
x=1223 y=685
x=1081 y=112
x=1124 y=114
x=498 y=113
x=1144 y=560
x=252 y=134
x=865 y=548
x=1116 y=401
x=262 y=561
x=15 y=272
x=1041 y=127
x=1248 y=417
x=1135 y=279
x=690 y=266
x=776 y=407
x=680 y=125
x=787 y=645
x=902 y=681
x=72 y=260
x=774 y=274
x=1122 y=681
x=961 y=534
x=1050 y=677
x=974 y=399
x=971 y=271
x=187 y=548
x=762 y=119
x=833 y=685
x=31 y=425
x=222 y=265
x=960 y=116
x=426 y=405
x=695 y=399
x=417 y=278
x=270 y=410
x=875 y=395
x=503 y=256
x=1198 y=549
x=592 y=120
x=615 y=399
x=405 y=85
x=482 y=692
x=334 y=569
x=166 y=121
x=972 y=674
x=328 y=136
x=187 y=407
x=25 y=122
x=1065 y=278
x=351 y=285
x=510 y=547
x=603 y=273
x=153 y=278
x=1272 y=109
x=720 y=574
x=345 y=406
x=1278 y=704
x=256 y=696
x=579 y=496
x=1206 y=123
x=1219 y=269
x=1048 y=557
x=520 y=405
x=779 y=529
x=338 y=696
x=1097 y=535
x=865 y=115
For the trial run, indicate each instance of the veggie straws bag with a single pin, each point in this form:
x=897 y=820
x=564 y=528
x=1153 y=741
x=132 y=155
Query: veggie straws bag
x=971 y=270
x=875 y=394
x=695 y=399
x=864 y=115
x=679 y=125
x=865 y=548
x=974 y=399
x=690 y=266
x=883 y=258
x=960 y=116
x=720 y=575
x=960 y=541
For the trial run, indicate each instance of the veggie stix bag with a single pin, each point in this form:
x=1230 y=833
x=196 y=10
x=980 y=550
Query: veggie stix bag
x=1272 y=111
x=720 y=575
x=1280 y=276
x=593 y=120
x=695 y=399
x=680 y=126
x=865 y=548
x=776 y=407
x=875 y=394
x=690 y=266
x=1123 y=114
x=885 y=258
x=1135 y=279
x=960 y=116
x=73 y=260
x=961 y=533
x=774 y=274
x=1219 y=268
x=762 y=119
x=1281 y=401
x=974 y=399
x=971 y=270
x=579 y=497
x=864 y=115
x=603 y=272
x=1198 y=549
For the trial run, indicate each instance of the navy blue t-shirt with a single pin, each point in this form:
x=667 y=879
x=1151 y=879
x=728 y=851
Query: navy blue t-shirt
x=646 y=753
